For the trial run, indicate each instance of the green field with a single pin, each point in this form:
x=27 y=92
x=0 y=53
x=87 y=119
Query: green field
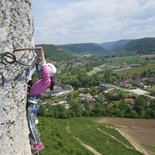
x=135 y=70
x=150 y=148
x=81 y=136
x=126 y=59
x=94 y=71
x=152 y=89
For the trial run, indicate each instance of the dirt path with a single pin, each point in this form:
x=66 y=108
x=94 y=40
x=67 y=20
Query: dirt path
x=88 y=147
x=115 y=139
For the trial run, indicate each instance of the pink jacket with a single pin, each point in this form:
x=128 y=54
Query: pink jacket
x=42 y=84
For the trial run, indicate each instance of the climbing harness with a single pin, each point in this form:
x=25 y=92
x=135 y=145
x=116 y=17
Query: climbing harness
x=10 y=58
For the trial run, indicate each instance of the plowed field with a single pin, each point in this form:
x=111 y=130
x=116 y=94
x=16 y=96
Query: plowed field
x=141 y=131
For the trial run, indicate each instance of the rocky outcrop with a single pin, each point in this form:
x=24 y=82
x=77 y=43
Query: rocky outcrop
x=16 y=31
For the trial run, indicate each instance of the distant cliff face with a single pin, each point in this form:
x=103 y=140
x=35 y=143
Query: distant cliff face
x=16 y=31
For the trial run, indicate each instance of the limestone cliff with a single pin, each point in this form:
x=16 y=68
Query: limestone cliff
x=16 y=31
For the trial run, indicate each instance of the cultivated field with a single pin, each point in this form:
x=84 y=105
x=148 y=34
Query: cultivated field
x=140 y=132
x=82 y=136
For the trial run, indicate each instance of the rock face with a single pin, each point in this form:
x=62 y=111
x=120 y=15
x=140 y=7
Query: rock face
x=16 y=31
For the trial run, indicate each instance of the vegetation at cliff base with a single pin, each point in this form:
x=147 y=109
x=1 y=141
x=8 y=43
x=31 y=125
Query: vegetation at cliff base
x=75 y=136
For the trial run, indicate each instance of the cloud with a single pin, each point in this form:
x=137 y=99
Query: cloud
x=73 y=21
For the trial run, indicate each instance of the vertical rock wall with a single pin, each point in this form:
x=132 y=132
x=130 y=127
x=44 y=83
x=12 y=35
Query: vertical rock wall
x=16 y=31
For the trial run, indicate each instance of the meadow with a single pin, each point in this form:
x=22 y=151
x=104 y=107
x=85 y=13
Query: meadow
x=152 y=89
x=82 y=136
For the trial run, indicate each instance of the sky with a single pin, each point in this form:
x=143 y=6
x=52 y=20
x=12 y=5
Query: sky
x=92 y=21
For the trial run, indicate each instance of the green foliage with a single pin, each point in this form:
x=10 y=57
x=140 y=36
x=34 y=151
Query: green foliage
x=112 y=105
x=150 y=148
x=57 y=140
x=144 y=46
x=76 y=73
x=140 y=106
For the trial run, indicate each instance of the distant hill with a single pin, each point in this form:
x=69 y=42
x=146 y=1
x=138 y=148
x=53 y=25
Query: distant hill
x=134 y=46
x=82 y=48
x=55 y=53
x=114 y=44
x=144 y=45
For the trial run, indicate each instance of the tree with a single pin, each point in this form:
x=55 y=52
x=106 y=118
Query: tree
x=150 y=113
x=77 y=108
x=107 y=76
x=140 y=105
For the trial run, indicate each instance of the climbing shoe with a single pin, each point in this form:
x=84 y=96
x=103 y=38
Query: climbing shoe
x=37 y=147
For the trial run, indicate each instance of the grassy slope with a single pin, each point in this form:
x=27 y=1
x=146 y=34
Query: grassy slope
x=152 y=89
x=150 y=148
x=60 y=137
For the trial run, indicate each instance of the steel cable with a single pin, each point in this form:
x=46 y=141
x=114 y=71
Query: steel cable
x=10 y=58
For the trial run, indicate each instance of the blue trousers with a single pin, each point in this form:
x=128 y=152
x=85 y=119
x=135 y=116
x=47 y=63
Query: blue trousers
x=34 y=134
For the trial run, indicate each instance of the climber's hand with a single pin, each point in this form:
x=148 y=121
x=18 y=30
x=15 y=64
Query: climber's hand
x=39 y=49
x=42 y=56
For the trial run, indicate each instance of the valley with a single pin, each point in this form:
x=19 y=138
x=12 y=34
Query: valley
x=101 y=103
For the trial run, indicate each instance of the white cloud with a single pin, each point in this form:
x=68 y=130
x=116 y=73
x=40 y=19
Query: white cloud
x=93 y=21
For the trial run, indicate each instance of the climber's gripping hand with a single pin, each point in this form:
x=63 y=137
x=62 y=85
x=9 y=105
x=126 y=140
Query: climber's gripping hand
x=41 y=53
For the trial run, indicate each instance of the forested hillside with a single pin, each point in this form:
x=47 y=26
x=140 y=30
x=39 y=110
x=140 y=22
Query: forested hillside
x=55 y=53
x=144 y=45
x=126 y=47
x=115 y=44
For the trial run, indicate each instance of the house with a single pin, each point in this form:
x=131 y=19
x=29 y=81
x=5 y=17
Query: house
x=105 y=103
x=136 y=65
x=59 y=91
x=86 y=97
x=63 y=102
x=124 y=84
x=144 y=79
x=105 y=86
x=90 y=105
x=67 y=106
x=129 y=100
x=102 y=66
x=130 y=80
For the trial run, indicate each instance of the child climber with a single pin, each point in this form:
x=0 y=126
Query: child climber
x=38 y=87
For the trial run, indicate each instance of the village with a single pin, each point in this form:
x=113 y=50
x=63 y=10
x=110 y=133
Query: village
x=105 y=95
x=95 y=88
